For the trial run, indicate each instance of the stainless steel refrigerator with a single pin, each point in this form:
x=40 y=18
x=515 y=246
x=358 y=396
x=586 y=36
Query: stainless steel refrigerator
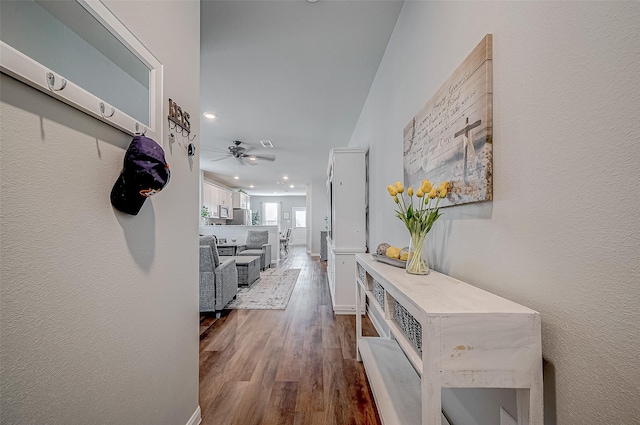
x=241 y=217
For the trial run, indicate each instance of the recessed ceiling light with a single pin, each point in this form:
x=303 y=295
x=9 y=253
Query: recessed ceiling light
x=236 y=177
x=251 y=186
x=291 y=186
x=285 y=177
x=266 y=143
x=252 y=158
x=209 y=115
x=312 y=1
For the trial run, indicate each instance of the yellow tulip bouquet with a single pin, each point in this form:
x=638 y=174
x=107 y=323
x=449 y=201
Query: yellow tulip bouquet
x=418 y=218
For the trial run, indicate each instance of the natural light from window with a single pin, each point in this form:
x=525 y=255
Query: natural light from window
x=270 y=214
x=300 y=217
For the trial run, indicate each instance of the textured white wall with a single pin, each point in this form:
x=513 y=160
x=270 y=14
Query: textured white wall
x=99 y=310
x=562 y=234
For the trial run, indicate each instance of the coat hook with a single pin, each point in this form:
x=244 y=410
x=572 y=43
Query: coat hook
x=191 y=139
x=102 y=108
x=138 y=132
x=51 y=80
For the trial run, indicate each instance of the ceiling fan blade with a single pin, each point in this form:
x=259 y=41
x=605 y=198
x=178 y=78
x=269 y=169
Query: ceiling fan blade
x=215 y=150
x=264 y=157
x=244 y=160
x=220 y=158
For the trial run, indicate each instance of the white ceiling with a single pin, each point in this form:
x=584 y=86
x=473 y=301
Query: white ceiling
x=293 y=72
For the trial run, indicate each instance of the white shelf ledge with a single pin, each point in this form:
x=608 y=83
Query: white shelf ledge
x=394 y=383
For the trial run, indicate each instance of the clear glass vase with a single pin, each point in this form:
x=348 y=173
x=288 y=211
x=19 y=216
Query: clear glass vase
x=417 y=262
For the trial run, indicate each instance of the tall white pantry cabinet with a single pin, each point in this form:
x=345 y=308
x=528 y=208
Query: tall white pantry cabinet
x=347 y=192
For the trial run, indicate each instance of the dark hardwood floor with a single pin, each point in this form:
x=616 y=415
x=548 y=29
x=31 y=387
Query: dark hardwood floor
x=295 y=366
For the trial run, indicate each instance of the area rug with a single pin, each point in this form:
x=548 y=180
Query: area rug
x=271 y=292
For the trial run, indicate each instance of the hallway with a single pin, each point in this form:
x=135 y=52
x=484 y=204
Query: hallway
x=295 y=366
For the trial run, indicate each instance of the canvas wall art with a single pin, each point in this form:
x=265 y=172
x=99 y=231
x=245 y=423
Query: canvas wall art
x=451 y=136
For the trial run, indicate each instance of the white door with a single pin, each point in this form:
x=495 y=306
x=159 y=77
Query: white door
x=299 y=231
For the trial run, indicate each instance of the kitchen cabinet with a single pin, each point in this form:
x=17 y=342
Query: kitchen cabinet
x=213 y=196
x=241 y=200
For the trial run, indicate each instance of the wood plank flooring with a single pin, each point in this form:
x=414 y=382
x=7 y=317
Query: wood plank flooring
x=285 y=367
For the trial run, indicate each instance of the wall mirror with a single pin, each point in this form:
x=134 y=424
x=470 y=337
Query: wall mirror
x=80 y=53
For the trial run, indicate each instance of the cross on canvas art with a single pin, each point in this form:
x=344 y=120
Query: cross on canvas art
x=450 y=139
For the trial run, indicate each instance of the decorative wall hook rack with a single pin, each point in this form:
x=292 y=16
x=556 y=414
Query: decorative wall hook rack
x=179 y=119
x=179 y=130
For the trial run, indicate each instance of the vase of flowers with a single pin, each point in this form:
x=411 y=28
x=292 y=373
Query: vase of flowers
x=418 y=217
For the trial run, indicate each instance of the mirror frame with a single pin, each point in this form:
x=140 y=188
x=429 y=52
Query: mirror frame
x=25 y=69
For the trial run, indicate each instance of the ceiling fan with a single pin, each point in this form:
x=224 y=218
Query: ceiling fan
x=242 y=154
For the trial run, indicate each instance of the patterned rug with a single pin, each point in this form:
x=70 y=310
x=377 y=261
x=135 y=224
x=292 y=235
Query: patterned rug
x=271 y=292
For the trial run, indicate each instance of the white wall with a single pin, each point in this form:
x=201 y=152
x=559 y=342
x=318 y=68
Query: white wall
x=562 y=233
x=319 y=210
x=99 y=309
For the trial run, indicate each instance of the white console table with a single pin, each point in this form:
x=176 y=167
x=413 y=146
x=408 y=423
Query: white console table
x=444 y=333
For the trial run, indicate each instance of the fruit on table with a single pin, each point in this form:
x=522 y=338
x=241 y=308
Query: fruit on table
x=382 y=248
x=393 y=252
x=404 y=256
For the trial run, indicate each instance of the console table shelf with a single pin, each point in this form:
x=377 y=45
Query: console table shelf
x=444 y=334
x=394 y=383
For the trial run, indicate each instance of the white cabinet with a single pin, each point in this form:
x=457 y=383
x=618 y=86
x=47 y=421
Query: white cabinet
x=225 y=198
x=210 y=198
x=347 y=190
x=206 y=198
x=444 y=334
x=213 y=196
x=241 y=200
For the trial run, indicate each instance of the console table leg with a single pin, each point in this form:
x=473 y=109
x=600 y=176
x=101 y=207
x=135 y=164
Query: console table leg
x=432 y=375
x=530 y=405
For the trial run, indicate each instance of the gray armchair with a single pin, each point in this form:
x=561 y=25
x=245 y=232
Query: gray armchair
x=218 y=281
x=258 y=245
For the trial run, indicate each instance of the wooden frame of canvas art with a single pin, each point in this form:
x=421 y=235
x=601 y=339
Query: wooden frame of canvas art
x=451 y=138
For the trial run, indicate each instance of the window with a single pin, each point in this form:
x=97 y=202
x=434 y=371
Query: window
x=270 y=214
x=299 y=217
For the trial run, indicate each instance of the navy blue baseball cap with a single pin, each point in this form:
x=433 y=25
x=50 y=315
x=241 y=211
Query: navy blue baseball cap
x=144 y=173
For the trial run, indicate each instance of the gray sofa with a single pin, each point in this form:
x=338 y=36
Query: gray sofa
x=257 y=244
x=218 y=280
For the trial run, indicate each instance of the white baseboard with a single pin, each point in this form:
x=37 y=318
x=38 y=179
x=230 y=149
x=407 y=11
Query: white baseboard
x=195 y=418
x=344 y=309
